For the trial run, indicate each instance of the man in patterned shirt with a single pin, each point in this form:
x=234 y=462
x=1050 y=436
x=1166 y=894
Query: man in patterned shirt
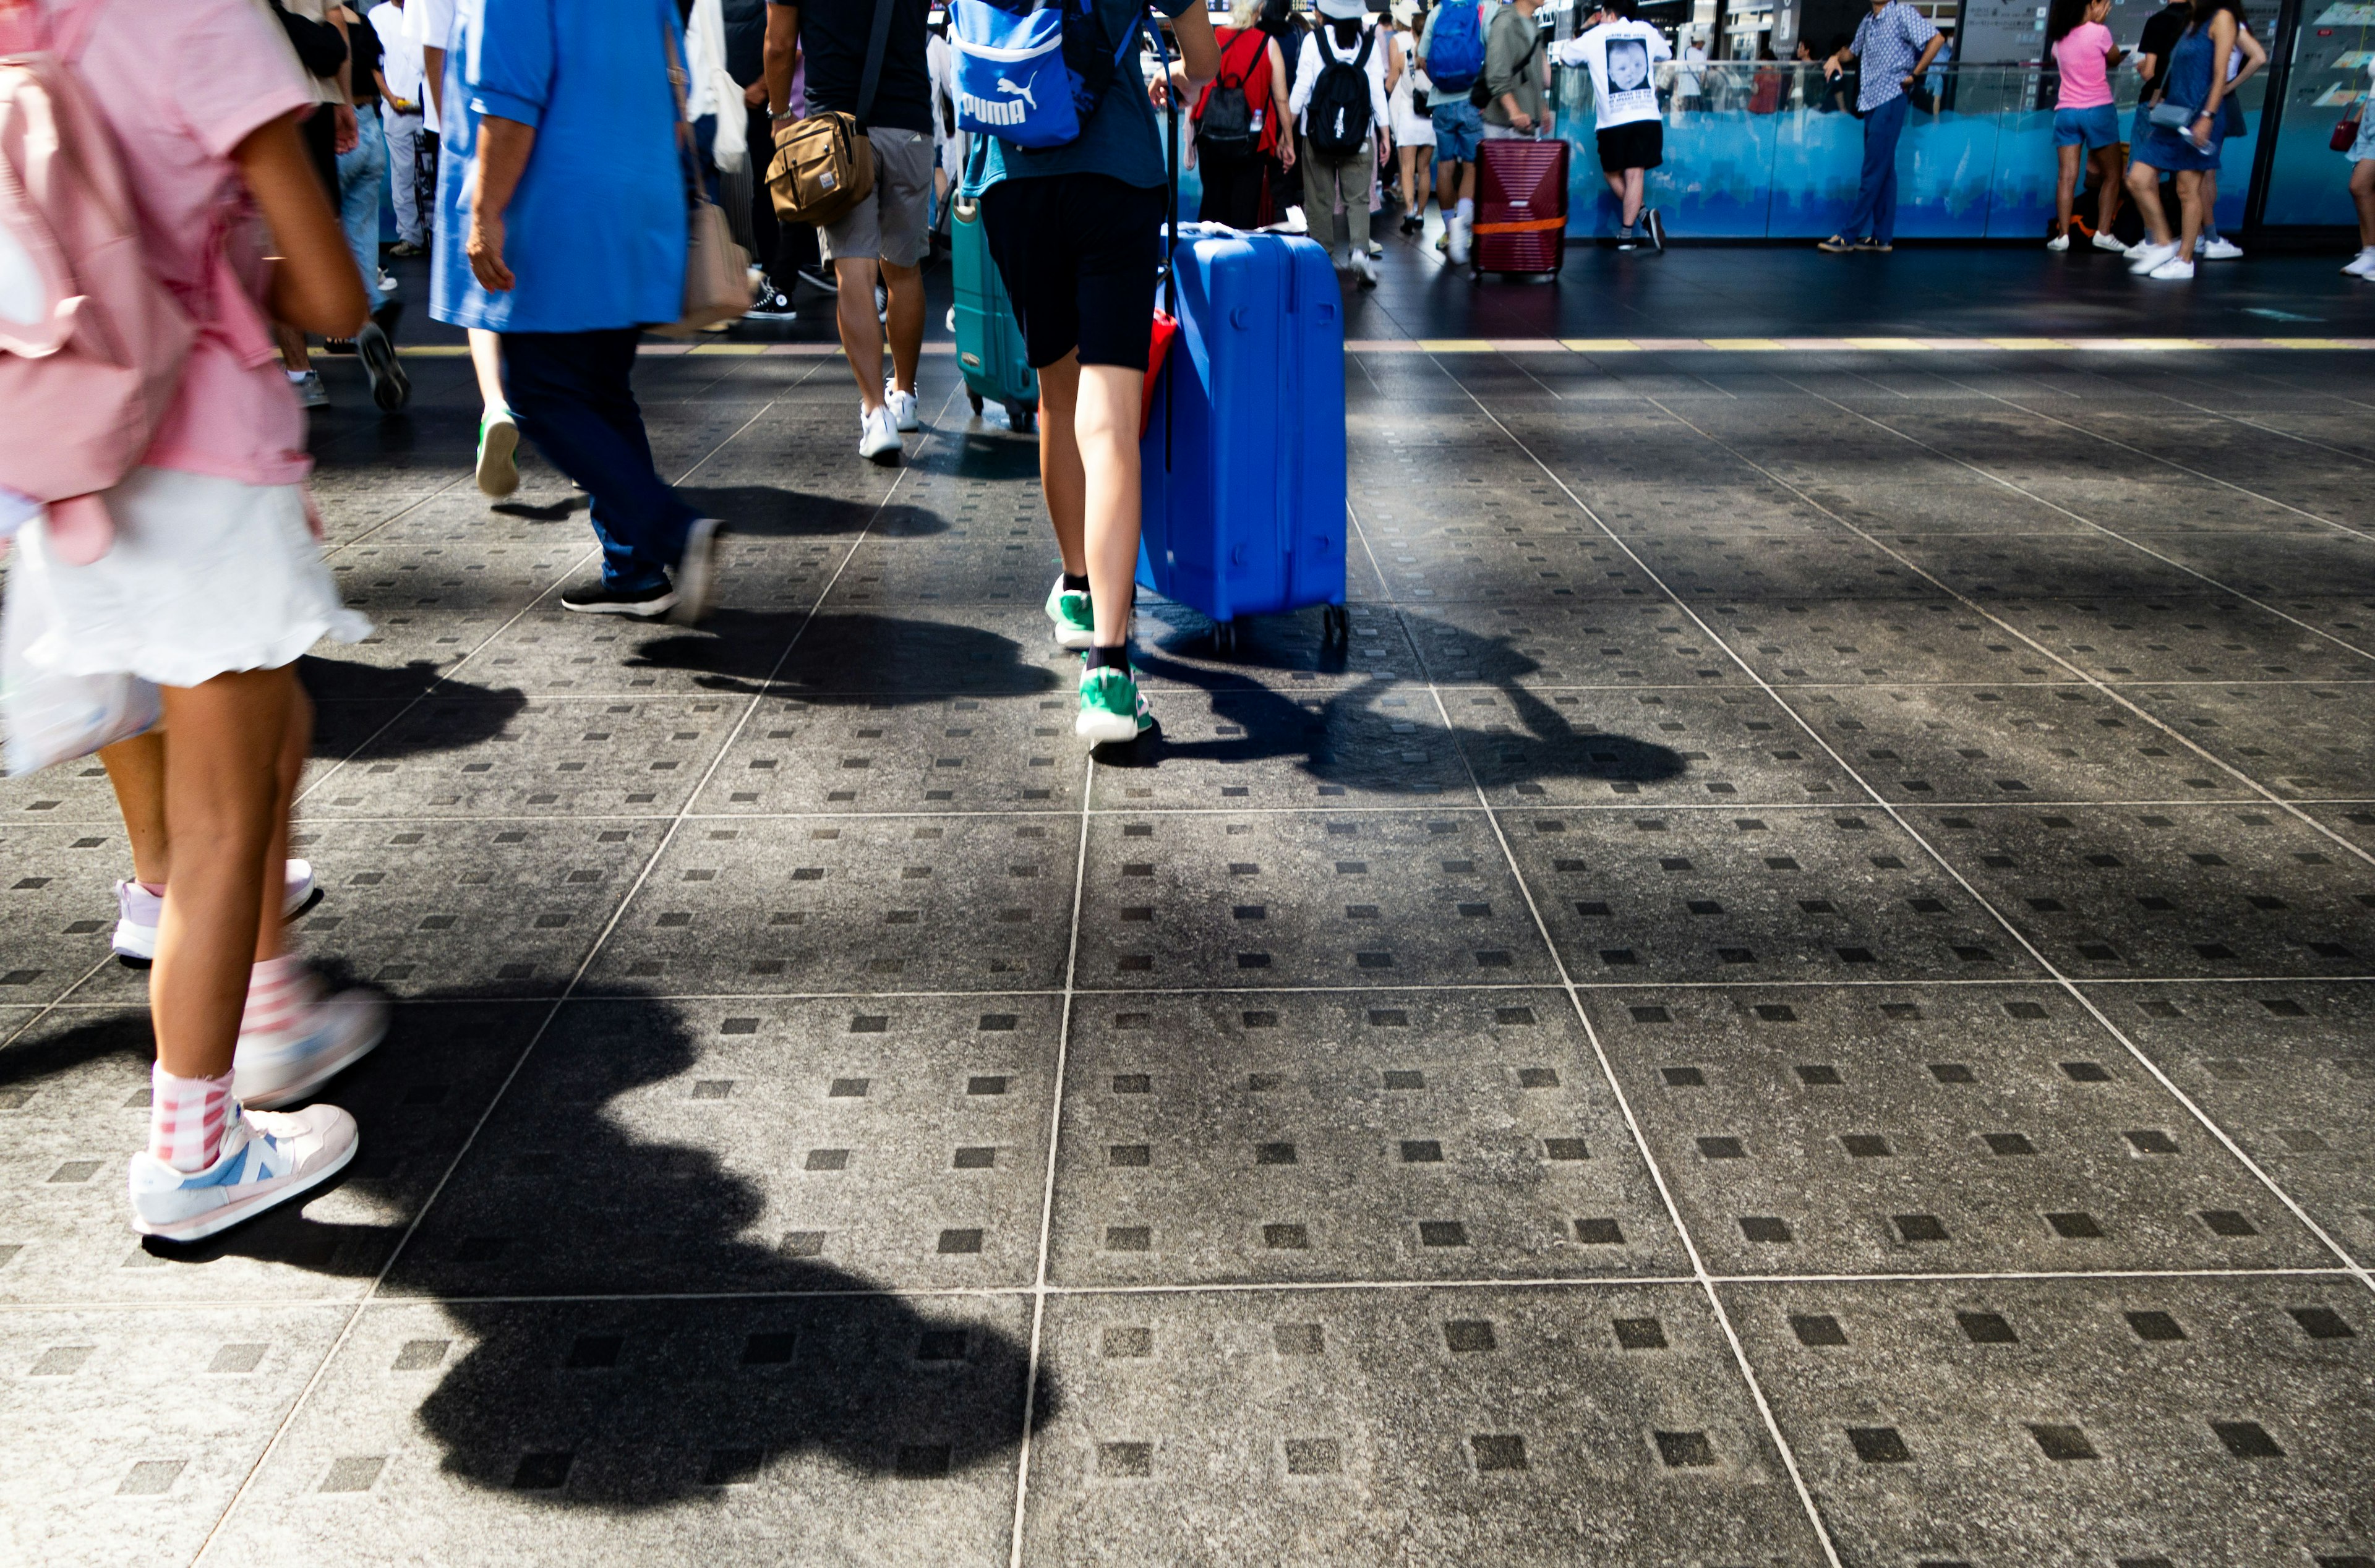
x=1887 y=43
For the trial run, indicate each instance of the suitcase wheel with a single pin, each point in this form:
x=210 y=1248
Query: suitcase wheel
x=1225 y=637
x=1336 y=626
x=1022 y=418
x=975 y=398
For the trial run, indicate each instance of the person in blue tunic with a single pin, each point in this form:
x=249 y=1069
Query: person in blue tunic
x=2195 y=82
x=569 y=166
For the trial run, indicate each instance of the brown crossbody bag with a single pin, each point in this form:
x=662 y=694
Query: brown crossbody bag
x=825 y=165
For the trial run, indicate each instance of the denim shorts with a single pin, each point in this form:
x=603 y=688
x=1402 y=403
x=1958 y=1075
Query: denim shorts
x=2090 y=128
x=1459 y=127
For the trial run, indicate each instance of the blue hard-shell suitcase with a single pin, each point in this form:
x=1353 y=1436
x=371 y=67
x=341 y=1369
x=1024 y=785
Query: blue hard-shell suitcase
x=1243 y=472
x=990 y=353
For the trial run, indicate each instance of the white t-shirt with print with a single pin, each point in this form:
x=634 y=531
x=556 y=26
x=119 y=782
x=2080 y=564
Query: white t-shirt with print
x=1622 y=59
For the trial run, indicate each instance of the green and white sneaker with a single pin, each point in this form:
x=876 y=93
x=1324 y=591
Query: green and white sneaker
x=1076 y=626
x=1111 y=707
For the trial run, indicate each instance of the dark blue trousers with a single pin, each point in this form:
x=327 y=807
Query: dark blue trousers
x=571 y=393
x=1876 y=208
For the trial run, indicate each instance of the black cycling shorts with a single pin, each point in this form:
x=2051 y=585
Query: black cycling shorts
x=1077 y=253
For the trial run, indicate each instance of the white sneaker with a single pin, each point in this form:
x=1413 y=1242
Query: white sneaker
x=266 y=1160
x=498 y=469
x=282 y=1067
x=311 y=393
x=388 y=283
x=1377 y=249
x=1458 y=250
x=2172 y=271
x=1364 y=270
x=2220 y=249
x=2059 y=242
x=877 y=439
x=696 y=573
x=2363 y=266
x=137 y=910
x=2104 y=242
x=902 y=405
x=2147 y=255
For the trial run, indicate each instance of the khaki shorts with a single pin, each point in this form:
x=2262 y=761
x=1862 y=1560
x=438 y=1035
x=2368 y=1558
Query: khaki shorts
x=888 y=224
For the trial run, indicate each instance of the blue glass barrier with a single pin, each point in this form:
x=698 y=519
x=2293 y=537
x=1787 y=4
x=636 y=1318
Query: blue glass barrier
x=1760 y=153
x=2309 y=182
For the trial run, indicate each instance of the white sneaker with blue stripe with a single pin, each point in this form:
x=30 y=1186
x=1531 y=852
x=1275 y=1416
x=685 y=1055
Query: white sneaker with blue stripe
x=267 y=1158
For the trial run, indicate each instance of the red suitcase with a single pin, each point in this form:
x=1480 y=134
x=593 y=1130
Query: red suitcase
x=1520 y=206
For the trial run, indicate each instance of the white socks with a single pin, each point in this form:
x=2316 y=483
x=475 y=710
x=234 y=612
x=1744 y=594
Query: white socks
x=187 y=1118
x=1466 y=209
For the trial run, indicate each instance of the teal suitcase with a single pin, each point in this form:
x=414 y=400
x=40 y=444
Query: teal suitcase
x=989 y=345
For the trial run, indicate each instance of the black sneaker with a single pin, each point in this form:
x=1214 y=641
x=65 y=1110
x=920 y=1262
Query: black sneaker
x=1625 y=242
x=391 y=388
x=819 y=279
x=1655 y=227
x=772 y=304
x=643 y=604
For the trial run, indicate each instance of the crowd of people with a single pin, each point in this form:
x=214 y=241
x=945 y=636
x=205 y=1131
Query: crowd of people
x=258 y=142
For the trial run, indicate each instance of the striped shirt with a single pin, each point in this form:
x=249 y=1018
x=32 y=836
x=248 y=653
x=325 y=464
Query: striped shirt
x=1887 y=42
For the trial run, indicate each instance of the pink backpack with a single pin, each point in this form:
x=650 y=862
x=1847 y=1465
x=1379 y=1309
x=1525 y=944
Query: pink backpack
x=90 y=369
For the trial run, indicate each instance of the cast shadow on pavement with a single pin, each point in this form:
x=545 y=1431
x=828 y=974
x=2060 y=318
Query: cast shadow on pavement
x=616 y=1328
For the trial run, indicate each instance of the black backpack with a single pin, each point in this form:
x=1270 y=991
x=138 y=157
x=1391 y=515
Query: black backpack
x=1338 y=115
x=1226 y=127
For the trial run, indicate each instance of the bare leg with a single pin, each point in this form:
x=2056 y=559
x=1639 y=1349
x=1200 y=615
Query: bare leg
x=486 y=359
x=2210 y=202
x=2065 y=186
x=1412 y=197
x=2362 y=193
x=1632 y=197
x=296 y=739
x=2107 y=188
x=862 y=330
x=136 y=769
x=1615 y=178
x=1061 y=479
x=294 y=355
x=2143 y=184
x=906 y=323
x=2189 y=196
x=221 y=805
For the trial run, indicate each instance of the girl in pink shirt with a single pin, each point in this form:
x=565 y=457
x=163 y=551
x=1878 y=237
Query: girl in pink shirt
x=213 y=587
x=2085 y=126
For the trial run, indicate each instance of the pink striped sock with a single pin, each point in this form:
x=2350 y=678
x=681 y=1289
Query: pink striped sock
x=186 y=1117
x=278 y=995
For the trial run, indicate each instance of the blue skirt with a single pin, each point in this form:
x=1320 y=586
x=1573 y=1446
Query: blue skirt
x=2171 y=151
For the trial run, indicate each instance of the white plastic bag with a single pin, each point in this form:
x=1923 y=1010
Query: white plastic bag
x=56 y=718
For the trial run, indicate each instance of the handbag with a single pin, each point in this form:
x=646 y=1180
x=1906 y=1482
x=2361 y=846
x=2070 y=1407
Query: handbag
x=717 y=270
x=2345 y=133
x=823 y=165
x=2173 y=116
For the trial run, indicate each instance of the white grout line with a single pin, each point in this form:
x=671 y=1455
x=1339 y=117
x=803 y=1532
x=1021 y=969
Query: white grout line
x=1039 y=1290
x=2290 y=807
x=519 y=1063
x=1881 y=803
x=2172 y=463
x=2103 y=528
x=1641 y=1142
x=1187 y=1288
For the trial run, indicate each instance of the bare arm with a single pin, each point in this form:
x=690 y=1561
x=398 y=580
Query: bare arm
x=432 y=71
x=2222 y=49
x=315 y=286
x=2256 y=57
x=782 y=54
x=1394 y=62
x=1284 y=116
x=503 y=146
x=1928 y=53
x=349 y=134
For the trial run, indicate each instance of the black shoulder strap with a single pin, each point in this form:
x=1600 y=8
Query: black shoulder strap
x=873 y=76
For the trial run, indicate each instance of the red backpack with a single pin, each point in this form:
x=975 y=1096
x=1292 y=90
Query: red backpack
x=91 y=342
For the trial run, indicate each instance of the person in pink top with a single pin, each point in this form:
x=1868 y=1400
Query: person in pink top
x=2085 y=126
x=213 y=587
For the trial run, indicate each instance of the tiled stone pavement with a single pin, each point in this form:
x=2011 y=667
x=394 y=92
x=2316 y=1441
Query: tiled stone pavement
x=1803 y=993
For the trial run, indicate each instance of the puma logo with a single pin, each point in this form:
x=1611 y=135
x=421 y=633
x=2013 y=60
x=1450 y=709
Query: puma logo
x=1023 y=92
